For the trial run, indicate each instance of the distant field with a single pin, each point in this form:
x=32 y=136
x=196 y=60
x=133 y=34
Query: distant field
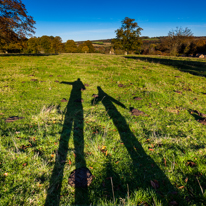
x=98 y=42
x=151 y=39
x=52 y=123
x=101 y=44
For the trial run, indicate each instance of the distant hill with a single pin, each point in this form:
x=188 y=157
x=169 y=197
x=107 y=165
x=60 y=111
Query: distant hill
x=144 y=38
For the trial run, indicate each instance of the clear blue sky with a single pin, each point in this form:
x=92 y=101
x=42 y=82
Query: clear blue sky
x=92 y=20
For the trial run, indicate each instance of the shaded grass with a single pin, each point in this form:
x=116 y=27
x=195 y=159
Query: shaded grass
x=169 y=134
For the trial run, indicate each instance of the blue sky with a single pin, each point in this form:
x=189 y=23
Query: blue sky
x=92 y=20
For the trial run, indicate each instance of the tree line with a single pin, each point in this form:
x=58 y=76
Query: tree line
x=46 y=44
x=16 y=26
x=178 y=42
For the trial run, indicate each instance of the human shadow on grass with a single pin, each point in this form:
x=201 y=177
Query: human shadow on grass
x=145 y=172
x=73 y=117
x=192 y=67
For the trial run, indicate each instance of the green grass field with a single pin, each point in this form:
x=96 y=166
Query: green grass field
x=155 y=158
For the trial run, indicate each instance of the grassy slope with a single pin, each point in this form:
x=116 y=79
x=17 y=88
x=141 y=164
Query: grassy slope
x=156 y=146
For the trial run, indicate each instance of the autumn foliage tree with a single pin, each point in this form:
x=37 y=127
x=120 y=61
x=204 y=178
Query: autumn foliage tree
x=90 y=46
x=85 y=49
x=15 y=24
x=57 y=45
x=127 y=37
x=70 y=46
x=86 y=44
x=33 y=45
x=45 y=43
x=177 y=42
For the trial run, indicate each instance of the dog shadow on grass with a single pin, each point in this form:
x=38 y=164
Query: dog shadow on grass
x=73 y=118
x=192 y=67
x=143 y=172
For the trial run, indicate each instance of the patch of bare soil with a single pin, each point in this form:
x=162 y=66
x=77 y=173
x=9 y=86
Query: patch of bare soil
x=34 y=80
x=199 y=113
x=202 y=121
x=202 y=116
x=120 y=85
x=137 y=98
x=179 y=92
x=187 y=89
x=136 y=112
x=80 y=178
x=63 y=100
x=95 y=95
x=13 y=118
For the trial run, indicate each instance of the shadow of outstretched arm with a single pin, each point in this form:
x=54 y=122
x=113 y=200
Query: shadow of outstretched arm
x=102 y=95
x=142 y=173
x=73 y=120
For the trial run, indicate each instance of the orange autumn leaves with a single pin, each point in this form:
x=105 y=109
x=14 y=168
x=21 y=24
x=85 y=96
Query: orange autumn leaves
x=103 y=150
x=14 y=21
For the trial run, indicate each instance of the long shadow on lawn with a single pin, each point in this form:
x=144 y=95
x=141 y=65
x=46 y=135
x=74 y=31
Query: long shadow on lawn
x=73 y=116
x=192 y=67
x=144 y=169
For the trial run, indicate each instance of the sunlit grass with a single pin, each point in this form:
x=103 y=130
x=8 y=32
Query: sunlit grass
x=168 y=133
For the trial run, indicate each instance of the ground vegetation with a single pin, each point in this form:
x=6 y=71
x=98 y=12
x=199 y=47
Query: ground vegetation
x=136 y=122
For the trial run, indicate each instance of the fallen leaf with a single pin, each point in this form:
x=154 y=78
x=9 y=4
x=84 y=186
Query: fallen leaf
x=52 y=155
x=103 y=147
x=106 y=153
x=91 y=168
x=24 y=164
x=186 y=179
x=181 y=187
x=151 y=149
x=5 y=174
x=165 y=162
x=153 y=184
x=117 y=162
x=191 y=164
x=70 y=162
